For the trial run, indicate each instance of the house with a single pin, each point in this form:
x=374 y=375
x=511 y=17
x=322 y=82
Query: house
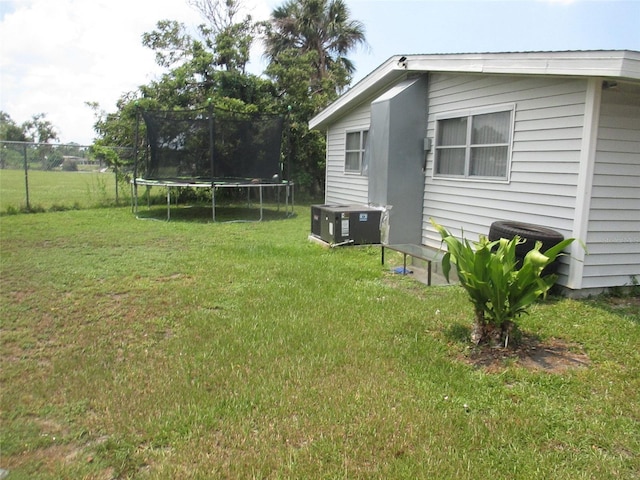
x=546 y=138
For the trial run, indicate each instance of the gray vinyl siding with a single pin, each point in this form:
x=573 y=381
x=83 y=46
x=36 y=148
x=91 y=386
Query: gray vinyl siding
x=545 y=162
x=574 y=158
x=345 y=188
x=614 y=217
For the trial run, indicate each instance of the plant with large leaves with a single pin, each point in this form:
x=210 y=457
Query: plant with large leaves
x=499 y=291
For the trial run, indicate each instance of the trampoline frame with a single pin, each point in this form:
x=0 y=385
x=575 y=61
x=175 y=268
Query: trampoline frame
x=214 y=185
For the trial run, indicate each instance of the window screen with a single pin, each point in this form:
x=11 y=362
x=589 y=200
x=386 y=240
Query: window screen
x=474 y=145
x=356 y=143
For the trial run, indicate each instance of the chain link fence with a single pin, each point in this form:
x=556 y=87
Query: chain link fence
x=45 y=177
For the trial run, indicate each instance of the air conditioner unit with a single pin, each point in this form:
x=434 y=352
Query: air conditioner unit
x=346 y=224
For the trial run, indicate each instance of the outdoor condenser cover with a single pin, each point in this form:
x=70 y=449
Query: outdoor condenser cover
x=346 y=224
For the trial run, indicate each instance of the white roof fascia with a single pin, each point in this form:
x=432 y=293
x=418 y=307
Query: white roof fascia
x=620 y=64
x=609 y=63
x=631 y=66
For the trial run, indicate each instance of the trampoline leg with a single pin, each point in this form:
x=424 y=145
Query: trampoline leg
x=260 y=202
x=213 y=203
x=288 y=193
x=134 y=198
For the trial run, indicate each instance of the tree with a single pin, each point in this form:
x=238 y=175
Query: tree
x=9 y=130
x=37 y=129
x=171 y=43
x=116 y=129
x=229 y=39
x=293 y=74
x=224 y=42
x=40 y=130
x=320 y=26
x=220 y=14
x=307 y=42
x=212 y=66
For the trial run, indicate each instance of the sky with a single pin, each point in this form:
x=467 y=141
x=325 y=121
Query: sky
x=57 y=55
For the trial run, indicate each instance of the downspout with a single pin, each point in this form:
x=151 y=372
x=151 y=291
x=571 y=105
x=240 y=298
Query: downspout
x=585 y=182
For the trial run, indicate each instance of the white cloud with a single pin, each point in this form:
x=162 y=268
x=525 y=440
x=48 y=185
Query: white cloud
x=58 y=54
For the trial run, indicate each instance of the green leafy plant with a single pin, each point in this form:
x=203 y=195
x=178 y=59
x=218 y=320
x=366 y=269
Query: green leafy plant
x=499 y=291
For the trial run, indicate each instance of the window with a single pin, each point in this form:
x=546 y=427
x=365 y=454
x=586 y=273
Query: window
x=474 y=145
x=354 y=151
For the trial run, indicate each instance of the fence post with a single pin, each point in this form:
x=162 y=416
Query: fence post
x=115 y=168
x=26 y=176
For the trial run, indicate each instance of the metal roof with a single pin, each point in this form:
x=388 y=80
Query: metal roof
x=608 y=64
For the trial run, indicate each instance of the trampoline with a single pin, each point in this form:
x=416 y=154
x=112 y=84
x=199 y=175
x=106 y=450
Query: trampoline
x=213 y=149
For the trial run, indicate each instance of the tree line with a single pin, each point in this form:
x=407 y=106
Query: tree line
x=36 y=129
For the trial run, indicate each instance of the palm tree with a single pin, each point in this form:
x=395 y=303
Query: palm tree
x=319 y=26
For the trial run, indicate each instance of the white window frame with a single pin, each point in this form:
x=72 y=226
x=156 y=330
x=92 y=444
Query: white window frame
x=469 y=114
x=363 y=132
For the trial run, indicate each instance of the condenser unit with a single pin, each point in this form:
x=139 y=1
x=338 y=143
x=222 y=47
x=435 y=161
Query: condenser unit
x=346 y=224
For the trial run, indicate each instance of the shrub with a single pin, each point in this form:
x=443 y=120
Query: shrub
x=499 y=291
x=69 y=165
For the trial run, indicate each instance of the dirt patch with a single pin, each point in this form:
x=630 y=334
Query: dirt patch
x=553 y=355
x=174 y=276
x=625 y=305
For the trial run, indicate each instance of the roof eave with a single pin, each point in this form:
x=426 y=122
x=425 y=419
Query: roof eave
x=620 y=64
x=595 y=63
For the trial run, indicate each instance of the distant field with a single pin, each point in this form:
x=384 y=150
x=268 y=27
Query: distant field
x=57 y=190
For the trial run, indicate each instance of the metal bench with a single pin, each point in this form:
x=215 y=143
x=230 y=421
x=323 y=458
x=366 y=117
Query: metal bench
x=416 y=251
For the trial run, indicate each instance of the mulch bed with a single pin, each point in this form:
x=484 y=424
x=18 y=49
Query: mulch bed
x=553 y=355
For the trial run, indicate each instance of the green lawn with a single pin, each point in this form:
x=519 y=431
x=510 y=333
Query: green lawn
x=186 y=349
x=55 y=190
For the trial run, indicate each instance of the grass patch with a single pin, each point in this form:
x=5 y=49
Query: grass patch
x=188 y=349
x=57 y=190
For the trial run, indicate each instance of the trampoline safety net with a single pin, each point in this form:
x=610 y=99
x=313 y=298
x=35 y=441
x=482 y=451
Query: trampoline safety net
x=206 y=145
